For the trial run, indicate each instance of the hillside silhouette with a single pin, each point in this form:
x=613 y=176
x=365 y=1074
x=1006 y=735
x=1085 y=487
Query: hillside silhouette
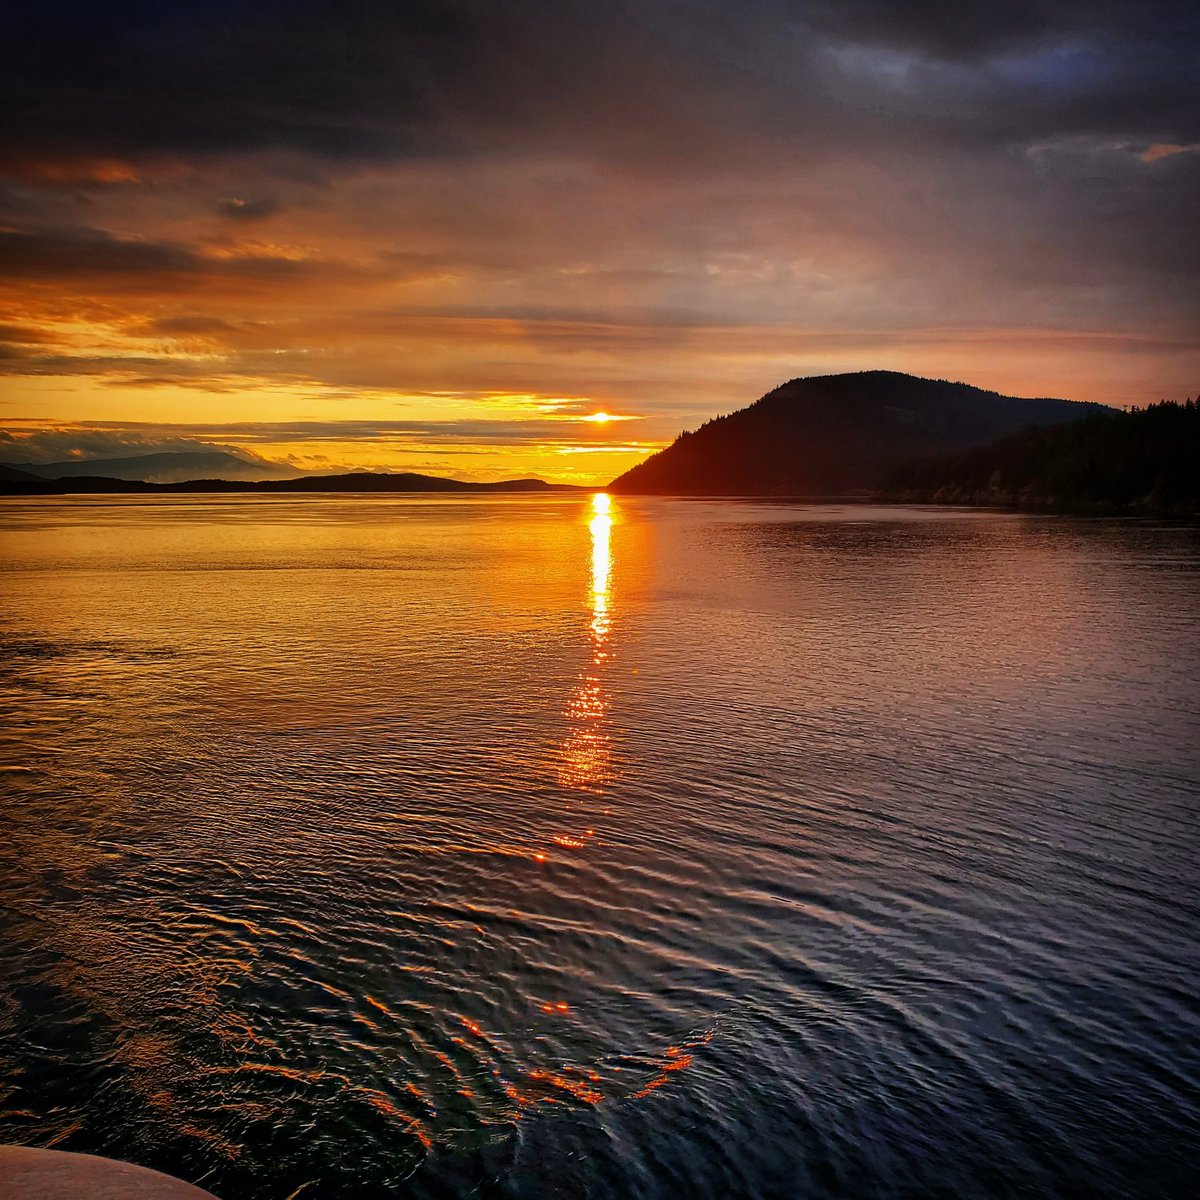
x=836 y=435
x=16 y=475
x=1146 y=460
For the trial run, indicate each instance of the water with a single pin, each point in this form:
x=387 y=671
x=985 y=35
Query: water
x=520 y=847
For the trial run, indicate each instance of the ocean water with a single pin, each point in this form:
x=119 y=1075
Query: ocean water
x=573 y=847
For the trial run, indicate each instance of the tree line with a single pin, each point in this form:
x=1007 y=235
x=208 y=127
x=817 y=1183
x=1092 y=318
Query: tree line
x=1140 y=460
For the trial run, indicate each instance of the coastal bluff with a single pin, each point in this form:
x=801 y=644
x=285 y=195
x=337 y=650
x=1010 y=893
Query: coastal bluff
x=836 y=436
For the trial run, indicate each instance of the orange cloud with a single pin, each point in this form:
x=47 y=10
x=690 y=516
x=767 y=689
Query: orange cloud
x=1161 y=150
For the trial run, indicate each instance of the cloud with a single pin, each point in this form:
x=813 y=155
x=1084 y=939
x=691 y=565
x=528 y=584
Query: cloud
x=86 y=252
x=78 y=252
x=23 y=335
x=191 y=325
x=239 y=209
x=972 y=29
x=451 y=77
x=37 y=445
x=108 y=438
x=480 y=449
x=661 y=208
x=1161 y=150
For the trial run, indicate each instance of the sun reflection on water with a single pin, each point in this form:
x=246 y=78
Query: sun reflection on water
x=586 y=752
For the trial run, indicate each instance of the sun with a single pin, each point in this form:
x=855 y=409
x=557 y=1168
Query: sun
x=600 y=418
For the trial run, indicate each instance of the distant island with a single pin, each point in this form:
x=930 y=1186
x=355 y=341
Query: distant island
x=837 y=436
x=1146 y=460
x=16 y=481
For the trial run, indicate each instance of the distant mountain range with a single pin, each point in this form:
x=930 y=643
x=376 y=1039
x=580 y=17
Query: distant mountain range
x=837 y=435
x=15 y=482
x=217 y=471
x=16 y=475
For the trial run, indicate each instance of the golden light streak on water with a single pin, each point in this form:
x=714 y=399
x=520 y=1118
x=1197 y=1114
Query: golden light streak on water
x=601 y=530
x=587 y=750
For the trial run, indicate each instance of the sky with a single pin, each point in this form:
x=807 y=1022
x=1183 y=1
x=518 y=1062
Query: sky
x=454 y=236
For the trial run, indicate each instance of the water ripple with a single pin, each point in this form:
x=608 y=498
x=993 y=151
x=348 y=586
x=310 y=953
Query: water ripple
x=642 y=849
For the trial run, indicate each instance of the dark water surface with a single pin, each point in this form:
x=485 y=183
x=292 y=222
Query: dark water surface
x=516 y=848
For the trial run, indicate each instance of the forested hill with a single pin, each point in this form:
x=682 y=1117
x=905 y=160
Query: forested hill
x=1147 y=460
x=835 y=435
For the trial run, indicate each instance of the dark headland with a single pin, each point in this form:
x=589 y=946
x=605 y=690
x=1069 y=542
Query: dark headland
x=837 y=436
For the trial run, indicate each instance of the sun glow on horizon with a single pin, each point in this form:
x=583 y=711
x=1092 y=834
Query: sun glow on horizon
x=606 y=418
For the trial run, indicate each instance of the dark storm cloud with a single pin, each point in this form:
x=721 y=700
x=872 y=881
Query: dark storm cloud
x=129 y=77
x=655 y=203
x=445 y=77
x=969 y=29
